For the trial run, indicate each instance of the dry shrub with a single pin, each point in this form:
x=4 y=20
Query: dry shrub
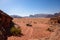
x=15 y=31
x=50 y=30
x=35 y=22
x=28 y=25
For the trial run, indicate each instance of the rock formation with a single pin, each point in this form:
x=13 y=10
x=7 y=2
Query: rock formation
x=5 y=21
x=55 y=20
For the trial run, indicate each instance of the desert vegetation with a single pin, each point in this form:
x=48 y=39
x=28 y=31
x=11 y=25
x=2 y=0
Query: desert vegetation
x=28 y=25
x=15 y=31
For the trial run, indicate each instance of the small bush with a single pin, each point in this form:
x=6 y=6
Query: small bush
x=15 y=31
x=28 y=25
x=50 y=30
x=35 y=22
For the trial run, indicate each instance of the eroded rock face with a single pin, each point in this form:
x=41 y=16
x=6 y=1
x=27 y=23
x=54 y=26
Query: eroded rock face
x=5 y=21
x=2 y=33
x=55 y=20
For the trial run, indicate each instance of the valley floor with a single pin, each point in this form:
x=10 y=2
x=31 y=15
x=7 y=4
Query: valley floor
x=38 y=30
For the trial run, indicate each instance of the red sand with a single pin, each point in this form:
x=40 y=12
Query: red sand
x=37 y=31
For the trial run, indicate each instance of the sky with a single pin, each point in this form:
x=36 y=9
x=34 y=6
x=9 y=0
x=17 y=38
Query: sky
x=29 y=7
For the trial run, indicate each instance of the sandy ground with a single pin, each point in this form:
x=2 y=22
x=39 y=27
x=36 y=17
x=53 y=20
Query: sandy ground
x=37 y=31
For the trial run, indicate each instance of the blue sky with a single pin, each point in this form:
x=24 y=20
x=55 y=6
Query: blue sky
x=27 y=7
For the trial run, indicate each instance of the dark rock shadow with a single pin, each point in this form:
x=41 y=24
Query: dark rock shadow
x=8 y=33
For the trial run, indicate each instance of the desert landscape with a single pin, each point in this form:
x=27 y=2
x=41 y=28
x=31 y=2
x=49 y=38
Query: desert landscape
x=29 y=19
x=29 y=28
x=36 y=29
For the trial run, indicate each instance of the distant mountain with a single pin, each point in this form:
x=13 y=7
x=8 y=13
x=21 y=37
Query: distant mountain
x=57 y=14
x=15 y=16
x=49 y=16
x=40 y=15
x=54 y=15
x=45 y=15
